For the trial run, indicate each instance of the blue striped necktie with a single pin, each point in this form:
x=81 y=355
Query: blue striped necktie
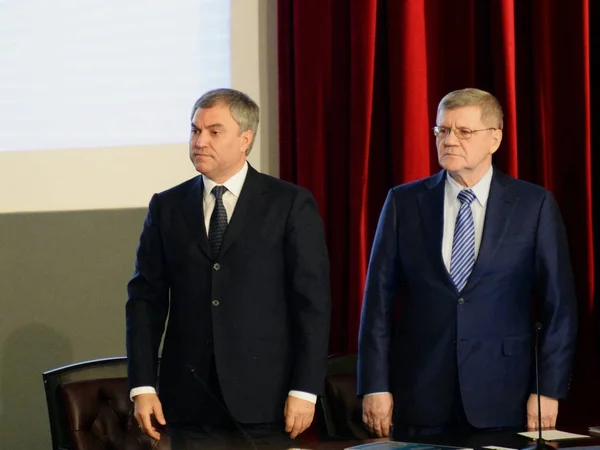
x=218 y=221
x=463 y=246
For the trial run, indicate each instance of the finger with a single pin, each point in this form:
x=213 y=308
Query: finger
x=545 y=422
x=299 y=427
x=289 y=423
x=367 y=415
x=531 y=425
x=154 y=434
x=304 y=422
x=385 y=427
x=377 y=428
x=365 y=418
x=159 y=415
x=296 y=427
x=148 y=428
x=308 y=421
x=144 y=420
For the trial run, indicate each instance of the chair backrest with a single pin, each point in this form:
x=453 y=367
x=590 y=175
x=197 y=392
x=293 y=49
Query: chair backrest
x=341 y=409
x=89 y=407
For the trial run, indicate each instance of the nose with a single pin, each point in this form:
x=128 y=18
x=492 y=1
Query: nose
x=199 y=140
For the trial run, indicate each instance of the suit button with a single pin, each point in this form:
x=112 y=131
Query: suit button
x=209 y=342
x=461 y=301
x=216 y=266
x=215 y=302
x=454 y=341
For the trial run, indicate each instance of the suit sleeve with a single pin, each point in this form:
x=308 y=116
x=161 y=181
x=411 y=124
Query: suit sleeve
x=555 y=287
x=307 y=268
x=147 y=304
x=376 y=320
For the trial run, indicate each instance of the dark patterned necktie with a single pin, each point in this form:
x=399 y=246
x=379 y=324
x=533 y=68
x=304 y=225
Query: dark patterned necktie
x=218 y=221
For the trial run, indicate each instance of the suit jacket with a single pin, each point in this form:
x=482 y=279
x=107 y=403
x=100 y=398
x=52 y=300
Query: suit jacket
x=262 y=307
x=481 y=339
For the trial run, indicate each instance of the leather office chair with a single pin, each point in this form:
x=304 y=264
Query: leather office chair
x=89 y=408
x=340 y=409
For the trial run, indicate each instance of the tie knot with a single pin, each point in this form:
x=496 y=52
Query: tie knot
x=218 y=192
x=466 y=196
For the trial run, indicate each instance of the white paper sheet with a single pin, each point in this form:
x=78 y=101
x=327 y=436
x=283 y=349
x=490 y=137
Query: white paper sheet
x=554 y=435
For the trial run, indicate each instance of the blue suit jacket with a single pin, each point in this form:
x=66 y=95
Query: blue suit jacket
x=419 y=336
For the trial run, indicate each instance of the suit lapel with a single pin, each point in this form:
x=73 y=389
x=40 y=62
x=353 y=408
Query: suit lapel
x=251 y=189
x=193 y=212
x=501 y=204
x=431 y=208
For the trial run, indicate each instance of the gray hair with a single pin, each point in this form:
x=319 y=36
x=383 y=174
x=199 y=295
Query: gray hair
x=243 y=109
x=491 y=110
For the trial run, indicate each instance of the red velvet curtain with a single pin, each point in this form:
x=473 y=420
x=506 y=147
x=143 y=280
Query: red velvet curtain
x=359 y=83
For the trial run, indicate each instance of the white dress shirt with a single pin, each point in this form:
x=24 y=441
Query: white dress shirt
x=451 y=207
x=230 y=197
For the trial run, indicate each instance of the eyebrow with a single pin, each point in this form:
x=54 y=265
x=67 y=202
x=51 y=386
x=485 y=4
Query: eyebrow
x=212 y=126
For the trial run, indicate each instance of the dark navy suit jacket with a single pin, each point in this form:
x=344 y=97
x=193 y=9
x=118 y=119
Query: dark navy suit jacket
x=262 y=308
x=420 y=338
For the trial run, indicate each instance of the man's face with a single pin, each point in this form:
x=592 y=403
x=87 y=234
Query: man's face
x=217 y=148
x=466 y=156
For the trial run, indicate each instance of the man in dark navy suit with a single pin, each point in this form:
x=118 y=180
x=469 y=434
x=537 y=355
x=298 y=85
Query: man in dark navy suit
x=237 y=262
x=459 y=259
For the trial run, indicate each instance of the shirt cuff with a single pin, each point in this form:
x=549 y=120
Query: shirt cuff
x=304 y=396
x=150 y=390
x=375 y=393
x=141 y=390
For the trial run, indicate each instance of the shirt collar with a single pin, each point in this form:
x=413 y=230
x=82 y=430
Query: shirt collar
x=481 y=189
x=234 y=184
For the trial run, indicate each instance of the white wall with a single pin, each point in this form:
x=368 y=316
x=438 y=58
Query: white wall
x=126 y=177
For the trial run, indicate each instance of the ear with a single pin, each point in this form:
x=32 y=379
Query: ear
x=496 y=140
x=246 y=139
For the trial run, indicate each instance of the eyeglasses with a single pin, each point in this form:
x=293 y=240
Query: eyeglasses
x=460 y=133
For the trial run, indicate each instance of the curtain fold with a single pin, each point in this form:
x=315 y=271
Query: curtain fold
x=359 y=86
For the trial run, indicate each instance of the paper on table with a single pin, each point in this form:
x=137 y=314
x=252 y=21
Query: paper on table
x=553 y=435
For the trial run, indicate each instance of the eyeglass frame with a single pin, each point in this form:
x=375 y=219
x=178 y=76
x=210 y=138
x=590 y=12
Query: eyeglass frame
x=450 y=130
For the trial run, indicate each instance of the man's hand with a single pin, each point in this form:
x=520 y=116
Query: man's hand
x=146 y=406
x=549 y=412
x=377 y=413
x=298 y=415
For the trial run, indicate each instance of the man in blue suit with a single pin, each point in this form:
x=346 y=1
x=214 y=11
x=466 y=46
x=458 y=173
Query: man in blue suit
x=462 y=264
